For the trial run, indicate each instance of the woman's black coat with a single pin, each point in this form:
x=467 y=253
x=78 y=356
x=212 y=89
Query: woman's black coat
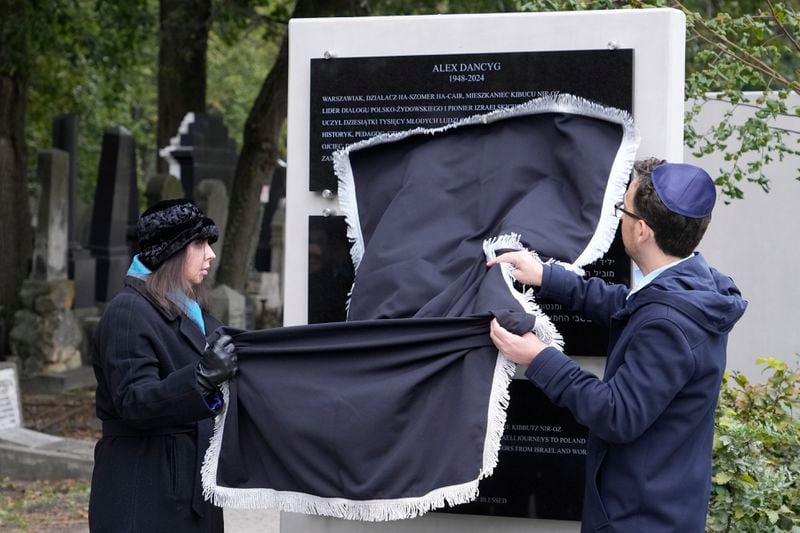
x=156 y=423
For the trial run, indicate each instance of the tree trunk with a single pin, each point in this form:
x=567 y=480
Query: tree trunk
x=183 y=40
x=253 y=169
x=260 y=149
x=15 y=218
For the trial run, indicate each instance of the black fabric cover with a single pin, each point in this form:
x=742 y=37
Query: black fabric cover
x=428 y=204
x=356 y=391
x=402 y=408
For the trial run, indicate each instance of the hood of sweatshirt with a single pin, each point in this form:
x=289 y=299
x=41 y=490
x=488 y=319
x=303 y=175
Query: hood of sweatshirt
x=711 y=298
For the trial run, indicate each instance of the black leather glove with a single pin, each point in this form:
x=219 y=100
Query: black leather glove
x=219 y=363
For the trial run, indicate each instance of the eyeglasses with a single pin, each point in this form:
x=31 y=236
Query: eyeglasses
x=619 y=209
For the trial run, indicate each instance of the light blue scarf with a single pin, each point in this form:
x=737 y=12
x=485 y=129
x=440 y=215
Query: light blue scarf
x=189 y=305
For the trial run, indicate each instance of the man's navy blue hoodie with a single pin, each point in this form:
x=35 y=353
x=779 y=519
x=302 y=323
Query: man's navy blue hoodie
x=651 y=417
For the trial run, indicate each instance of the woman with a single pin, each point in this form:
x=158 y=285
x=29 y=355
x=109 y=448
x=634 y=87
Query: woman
x=157 y=381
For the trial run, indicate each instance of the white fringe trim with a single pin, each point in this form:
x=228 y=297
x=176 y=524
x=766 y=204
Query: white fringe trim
x=496 y=420
x=366 y=510
x=208 y=472
x=543 y=328
x=562 y=103
x=349 y=205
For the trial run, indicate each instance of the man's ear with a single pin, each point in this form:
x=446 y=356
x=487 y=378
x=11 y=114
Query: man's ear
x=643 y=231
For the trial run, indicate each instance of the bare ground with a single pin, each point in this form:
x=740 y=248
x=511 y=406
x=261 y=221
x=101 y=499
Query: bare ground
x=51 y=506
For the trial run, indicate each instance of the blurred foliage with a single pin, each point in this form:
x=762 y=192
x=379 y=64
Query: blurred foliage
x=99 y=58
x=756 y=465
x=732 y=52
x=432 y=7
x=236 y=70
x=732 y=46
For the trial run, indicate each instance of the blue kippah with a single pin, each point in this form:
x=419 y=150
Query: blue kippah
x=685 y=189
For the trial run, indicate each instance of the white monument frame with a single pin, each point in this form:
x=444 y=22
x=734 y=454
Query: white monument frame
x=657 y=37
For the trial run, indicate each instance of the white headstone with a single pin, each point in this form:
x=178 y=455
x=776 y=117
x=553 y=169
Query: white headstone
x=10 y=412
x=228 y=306
x=212 y=197
x=50 y=251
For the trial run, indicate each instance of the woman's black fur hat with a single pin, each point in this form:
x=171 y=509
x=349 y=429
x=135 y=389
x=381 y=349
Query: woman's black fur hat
x=168 y=226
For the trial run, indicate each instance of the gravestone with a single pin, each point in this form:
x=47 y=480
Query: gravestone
x=50 y=250
x=228 y=306
x=162 y=187
x=265 y=289
x=201 y=150
x=2 y=330
x=212 y=198
x=10 y=406
x=31 y=455
x=277 y=192
x=115 y=203
x=278 y=240
x=80 y=263
x=46 y=336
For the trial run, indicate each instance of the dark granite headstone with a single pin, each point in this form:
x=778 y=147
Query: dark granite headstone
x=115 y=196
x=65 y=137
x=131 y=235
x=80 y=263
x=201 y=150
x=277 y=191
x=3 y=331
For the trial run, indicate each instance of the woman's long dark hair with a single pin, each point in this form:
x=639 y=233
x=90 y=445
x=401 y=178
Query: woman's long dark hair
x=168 y=279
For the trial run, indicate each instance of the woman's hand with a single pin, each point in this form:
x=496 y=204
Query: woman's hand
x=219 y=363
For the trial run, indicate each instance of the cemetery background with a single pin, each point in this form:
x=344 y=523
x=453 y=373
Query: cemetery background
x=228 y=149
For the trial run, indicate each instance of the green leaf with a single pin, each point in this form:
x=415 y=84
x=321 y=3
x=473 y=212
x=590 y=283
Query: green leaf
x=722 y=478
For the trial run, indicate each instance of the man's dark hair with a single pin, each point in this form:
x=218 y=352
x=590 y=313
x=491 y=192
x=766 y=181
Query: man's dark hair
x=675 y=234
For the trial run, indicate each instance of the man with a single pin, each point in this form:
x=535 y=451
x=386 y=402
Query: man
x=651 y=417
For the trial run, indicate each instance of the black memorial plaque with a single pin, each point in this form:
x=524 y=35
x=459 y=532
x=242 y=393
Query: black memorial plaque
x=330 y=269
x=353 y=99
x=541 y=469
x=583 y=337
x=540 y=472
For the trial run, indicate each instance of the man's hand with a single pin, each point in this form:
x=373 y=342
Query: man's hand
x=521 y=349
x=218 y=364
x=527 y=268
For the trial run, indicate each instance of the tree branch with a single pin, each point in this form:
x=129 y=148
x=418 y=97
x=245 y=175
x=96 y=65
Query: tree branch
x=781 y=26
x=743 y=55
x=747 y=104
x=757 y=65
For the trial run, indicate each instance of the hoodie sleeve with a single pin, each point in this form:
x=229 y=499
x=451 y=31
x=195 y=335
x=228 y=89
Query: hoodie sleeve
x=594 y=299
x=658 y=363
